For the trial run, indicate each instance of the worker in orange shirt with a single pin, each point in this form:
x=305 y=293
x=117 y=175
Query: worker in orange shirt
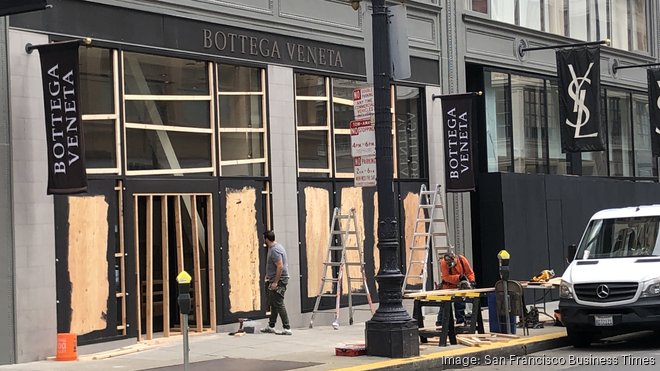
x=456 y=273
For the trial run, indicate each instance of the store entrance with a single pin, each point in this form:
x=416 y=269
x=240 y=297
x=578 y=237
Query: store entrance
x=173 y=232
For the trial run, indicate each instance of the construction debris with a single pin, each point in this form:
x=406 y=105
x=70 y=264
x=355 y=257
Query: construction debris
x=477 y=340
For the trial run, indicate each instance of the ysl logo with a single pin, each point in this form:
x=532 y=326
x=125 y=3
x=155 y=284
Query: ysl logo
x=578 y=95
x=657 y=130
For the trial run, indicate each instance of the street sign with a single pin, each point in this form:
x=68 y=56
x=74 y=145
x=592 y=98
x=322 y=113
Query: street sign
x=365 y=171
x=363 y=103
x=363 y=138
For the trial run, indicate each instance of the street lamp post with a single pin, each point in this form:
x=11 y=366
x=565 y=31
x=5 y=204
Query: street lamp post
x=391 y=332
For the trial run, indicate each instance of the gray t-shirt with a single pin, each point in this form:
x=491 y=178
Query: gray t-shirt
x=275 y=254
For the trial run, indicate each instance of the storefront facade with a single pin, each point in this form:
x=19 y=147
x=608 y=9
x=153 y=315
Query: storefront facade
x=205 y=124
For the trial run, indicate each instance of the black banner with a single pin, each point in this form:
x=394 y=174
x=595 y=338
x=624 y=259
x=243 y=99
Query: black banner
x=579 y=99
x=654 y=108
x=457 y=116
x=59 y=73
x=8 y=7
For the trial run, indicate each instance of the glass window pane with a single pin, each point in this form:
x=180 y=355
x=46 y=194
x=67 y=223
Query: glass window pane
x=156 y=75
x=554 y=13
x=241 y=111
x=342 y=102
x=641 y=119
x=639 y=28
x=503 y=11
x=158 y=149
x=529 y=132
x=577 y=19
x=558 y=163
x=530 y=14
x=498 y=129
x=598 y=24
x=244 y=170
x=620 y=24
x=313 y=149
x=620 y=133
x=241 y=146
x=312 y=113
x=480 y=6
x=100 y=144
x=194 y=114
x=343 y=158
x=96 y=81
x=310 y=85
x=408 y=124
x=239 y=79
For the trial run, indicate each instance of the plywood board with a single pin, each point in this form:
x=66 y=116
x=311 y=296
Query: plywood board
x=243 y=250
x=88 y=263
x=375 y=249
x=411 y=209
x=351 y=197
x=317 y=227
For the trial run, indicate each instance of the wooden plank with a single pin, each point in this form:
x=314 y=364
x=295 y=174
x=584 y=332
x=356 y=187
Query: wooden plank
x=179 y=240
x=150 y=268
x=211 y=260
x=165 y=265
x=448 y=292
x=122 y=260
x=465 y=341
x=199 y=319
x=138 y=283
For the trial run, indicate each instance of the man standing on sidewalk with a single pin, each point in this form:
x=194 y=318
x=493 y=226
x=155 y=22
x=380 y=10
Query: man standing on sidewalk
x=277 y=277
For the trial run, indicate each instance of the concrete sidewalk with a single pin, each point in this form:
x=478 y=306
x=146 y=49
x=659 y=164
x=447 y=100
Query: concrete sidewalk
x=307 y=349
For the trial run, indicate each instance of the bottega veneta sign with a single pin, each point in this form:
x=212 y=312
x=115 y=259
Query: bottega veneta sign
x=578 y=70
x=67 y=173
x=457 y=120
x=654 y=108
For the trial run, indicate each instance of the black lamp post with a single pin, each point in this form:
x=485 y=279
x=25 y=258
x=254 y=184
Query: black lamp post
x=391 y=332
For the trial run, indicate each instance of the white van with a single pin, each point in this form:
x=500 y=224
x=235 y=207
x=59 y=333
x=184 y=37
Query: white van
x=612 y=285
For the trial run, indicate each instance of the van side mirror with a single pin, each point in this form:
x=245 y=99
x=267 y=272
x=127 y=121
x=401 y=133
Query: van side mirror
x=570 y=252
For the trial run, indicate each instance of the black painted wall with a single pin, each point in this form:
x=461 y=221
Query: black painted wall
x=535 y=216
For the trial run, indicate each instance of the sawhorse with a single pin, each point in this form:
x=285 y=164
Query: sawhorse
x=445 y=302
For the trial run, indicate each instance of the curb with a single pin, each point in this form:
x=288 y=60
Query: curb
x=472 y=356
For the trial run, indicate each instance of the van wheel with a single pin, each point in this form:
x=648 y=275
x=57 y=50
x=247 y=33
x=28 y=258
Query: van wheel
x=579 y=339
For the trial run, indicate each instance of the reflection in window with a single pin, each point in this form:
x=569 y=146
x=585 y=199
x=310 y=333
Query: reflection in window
x=619 y=133
x=503 y=11
x=312 y=100
x=498 y=128
x=529 y=132
x=168 y=115
x=97 y=81
x=342 y=109
x=558 y=163
x=530 y=14
x=639 y=36
x=407 y=121
x=620 y=24
x=643 y=158
x=242 y=125
x=599 y=26
x=554 y=16
x=577 y=19
x=100 y=147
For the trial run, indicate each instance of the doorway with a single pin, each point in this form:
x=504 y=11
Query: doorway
x=173 y=233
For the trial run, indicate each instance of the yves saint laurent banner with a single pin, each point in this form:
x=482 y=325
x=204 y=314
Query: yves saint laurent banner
x=579 y=99
x=457 y=118
x=654 y=108
x=64 y=137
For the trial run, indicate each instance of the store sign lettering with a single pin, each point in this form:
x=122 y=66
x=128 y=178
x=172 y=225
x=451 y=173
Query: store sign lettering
x=261 y=46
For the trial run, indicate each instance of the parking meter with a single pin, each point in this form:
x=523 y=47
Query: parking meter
x=503 y=258
x=184 y=301
x=185 y=305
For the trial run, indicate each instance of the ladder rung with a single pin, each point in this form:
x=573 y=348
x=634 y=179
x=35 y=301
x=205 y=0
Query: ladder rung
x=343 y=232
x=421 y=234
x=418 y=248
x=434 y=220
x=343 y=216
x=359 y=293
x=330 y=279
x=352 y=248
x=332 y=264
x=335 y=248
x=426 y=205
x=427 y=192
x=418 y=261
x=439 y=233
x=329 y=295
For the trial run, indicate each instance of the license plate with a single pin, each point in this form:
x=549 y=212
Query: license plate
x=604 y=320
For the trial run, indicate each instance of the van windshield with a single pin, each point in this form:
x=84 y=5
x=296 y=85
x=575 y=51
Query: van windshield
x=621 y=237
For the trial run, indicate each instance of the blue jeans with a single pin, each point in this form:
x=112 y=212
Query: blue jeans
x=459 y=313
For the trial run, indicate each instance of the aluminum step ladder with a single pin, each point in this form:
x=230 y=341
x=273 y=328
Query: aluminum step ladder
x=342 y=228
x=434 y=239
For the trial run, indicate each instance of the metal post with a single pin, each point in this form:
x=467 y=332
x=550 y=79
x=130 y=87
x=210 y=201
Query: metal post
x=391 y=332
x=507 y=309
x=186 y=348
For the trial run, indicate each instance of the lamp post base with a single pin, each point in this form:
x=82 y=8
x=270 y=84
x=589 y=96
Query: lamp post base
x=392 y=339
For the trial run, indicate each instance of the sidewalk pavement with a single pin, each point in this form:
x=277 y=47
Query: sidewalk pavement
x=307 y=349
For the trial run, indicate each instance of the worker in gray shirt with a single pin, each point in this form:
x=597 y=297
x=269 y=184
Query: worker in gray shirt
x=277 y=277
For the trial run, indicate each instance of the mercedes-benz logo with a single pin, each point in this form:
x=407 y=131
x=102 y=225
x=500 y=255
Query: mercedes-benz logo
x=603 y=291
